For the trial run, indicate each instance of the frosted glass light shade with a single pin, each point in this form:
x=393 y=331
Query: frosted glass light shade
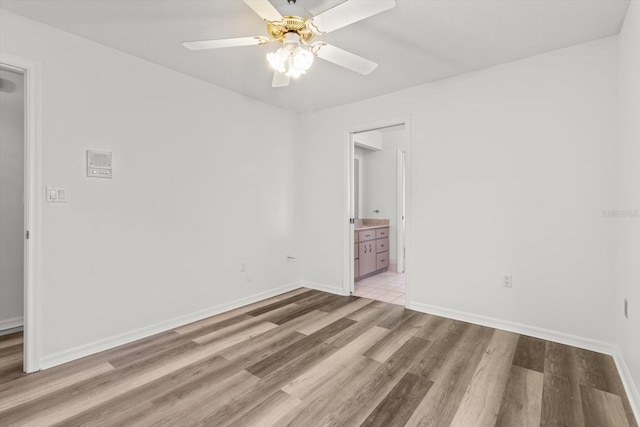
x=302 y=58
x=278 y=59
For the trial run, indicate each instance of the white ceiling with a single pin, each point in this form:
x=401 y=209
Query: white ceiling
x=418 y=41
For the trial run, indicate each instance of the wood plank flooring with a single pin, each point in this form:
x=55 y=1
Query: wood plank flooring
x=308 y=358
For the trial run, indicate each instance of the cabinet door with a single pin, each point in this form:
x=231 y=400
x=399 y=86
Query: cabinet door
x=356 y=268
x=366 y=257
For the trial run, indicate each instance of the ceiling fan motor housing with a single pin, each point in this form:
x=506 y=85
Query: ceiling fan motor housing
x=294 y=20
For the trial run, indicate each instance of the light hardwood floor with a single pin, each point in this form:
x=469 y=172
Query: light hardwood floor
x=308 y=358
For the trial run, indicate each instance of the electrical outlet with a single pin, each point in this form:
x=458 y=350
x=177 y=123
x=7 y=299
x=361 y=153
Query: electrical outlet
x=508 y=280
x=626 y=308
x=243 y=267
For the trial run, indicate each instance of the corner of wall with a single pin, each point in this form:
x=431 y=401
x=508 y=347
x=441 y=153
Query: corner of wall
x=627 y=227
x=627 y=381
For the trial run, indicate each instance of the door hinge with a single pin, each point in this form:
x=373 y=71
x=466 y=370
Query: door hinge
x=27 y=234
x=352 y=220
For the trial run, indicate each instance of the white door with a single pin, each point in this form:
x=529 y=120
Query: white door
x=401 y=203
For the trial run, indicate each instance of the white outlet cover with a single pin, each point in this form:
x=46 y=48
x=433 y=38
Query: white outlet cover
x=508 y=281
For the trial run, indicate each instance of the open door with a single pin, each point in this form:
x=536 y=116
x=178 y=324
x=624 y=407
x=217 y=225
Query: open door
x=401 y=203
x=353 y=201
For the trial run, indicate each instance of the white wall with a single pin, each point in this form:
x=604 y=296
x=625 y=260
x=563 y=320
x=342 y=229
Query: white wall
x=628 y=228
x=203 y=180
x=11 y=207
x=511 y=167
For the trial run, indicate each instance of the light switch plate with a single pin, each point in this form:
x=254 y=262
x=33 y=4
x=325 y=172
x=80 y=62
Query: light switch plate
x=57 y=195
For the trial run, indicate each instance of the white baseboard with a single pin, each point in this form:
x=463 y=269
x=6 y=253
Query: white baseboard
x=519 y=328
x=324 y=288
x=549 y=335
x=65 y=356
x=629 y=385
x=13 y=323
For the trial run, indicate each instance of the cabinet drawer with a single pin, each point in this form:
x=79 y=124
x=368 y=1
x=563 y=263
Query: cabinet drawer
x=365 y=235
x=382 y=260
x=382 y=245
x=355 y=237
x=355 y=251
x=382 y=232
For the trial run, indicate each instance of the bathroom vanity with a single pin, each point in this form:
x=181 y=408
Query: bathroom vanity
x=371 y=247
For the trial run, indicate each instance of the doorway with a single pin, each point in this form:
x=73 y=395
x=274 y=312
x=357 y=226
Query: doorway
x=21 y=81
x=377 y=203
x=11 y=201
x=11 y=220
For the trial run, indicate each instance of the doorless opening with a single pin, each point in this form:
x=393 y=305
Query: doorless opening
x=30 y=203
x=11 y=201
x=376 y=234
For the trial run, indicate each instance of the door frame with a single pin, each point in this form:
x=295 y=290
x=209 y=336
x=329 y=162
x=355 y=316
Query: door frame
x=348 y=228
x=33 y=195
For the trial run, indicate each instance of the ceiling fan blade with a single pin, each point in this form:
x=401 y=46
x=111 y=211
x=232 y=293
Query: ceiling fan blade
x=265 y=9
x=280 y=79
x=343 y=58
x=214 y=44
x=347 y=13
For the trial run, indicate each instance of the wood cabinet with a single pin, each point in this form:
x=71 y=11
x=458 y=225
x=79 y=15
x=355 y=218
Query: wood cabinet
x=365 y=235
x=382 y=232
x=366 y=257
x=371 y=251
x=356 y=260
x=382 y=260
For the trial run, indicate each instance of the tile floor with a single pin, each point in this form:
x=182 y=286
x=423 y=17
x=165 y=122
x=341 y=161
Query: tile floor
x=387 y=287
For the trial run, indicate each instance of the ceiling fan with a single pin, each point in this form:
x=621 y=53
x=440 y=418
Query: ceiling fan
x=295 y=29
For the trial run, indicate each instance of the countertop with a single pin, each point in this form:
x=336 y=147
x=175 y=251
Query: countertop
x=370 y=227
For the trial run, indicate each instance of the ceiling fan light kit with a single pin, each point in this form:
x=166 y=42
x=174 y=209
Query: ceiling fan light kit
x=292 y=58
x=294 y=28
